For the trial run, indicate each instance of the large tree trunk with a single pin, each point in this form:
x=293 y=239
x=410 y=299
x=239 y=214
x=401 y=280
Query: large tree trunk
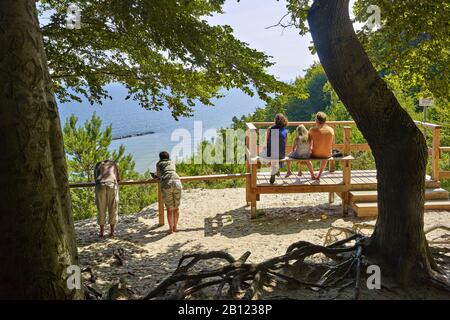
x=398 y=146
x=37 y=241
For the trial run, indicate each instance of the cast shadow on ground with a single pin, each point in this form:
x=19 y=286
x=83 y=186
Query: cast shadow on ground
x=276 y=220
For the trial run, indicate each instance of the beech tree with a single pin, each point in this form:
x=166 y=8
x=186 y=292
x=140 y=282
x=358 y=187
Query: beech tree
x=37 y=241
x=398 y=243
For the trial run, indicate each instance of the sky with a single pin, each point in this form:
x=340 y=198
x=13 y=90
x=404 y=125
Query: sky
x=250 y=18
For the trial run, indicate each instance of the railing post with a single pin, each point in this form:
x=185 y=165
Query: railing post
x=252 y=142
x=331 y=197
x=347 y=133
x=160 y=206
x=346 y=174
x=435 y=153
x=247 y=170
x=346 y=171
x=332 y=164
x=253 y=195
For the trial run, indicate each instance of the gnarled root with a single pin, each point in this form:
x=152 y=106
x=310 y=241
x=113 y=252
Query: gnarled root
x=247 y=280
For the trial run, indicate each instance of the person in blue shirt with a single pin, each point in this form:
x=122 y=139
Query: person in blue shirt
x=273 y=153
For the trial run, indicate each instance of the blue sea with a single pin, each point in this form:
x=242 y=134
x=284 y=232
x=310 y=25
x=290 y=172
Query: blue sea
x=128 y=118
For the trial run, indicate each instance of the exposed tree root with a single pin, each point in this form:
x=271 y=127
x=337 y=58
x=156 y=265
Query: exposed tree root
x=334 y=232
x=437 y=227
x=344 y=267
x=358 y=269
x=247 y=281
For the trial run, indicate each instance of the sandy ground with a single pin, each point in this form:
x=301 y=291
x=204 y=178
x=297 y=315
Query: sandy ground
x=214 y=220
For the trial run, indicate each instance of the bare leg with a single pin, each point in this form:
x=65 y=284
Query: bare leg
x=323 y=164
x=170 y=219
x=111 y=230
x=289 y=169
x=299 y=168
x=311 y=169
x=274 y=171
x=176 y=215
x=102 y=231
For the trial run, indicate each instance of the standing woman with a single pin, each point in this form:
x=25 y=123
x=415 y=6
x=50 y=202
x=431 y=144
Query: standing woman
x=278 y=151
x=170 y=188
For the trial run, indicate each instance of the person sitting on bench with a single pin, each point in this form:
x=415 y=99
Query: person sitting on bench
x=321 y=138
x=301 y=150
x=273 y=154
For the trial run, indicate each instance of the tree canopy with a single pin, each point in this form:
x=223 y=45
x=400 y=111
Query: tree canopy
x=411 y=46
x=163 y=51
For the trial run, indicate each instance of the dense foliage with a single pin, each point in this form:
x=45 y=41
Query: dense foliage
x=410 y=46
x=163 y=51
x=321 y=97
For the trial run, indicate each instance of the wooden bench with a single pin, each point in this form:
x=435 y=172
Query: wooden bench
x=286 y=159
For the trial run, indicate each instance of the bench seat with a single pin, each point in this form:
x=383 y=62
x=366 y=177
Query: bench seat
x=345 y=158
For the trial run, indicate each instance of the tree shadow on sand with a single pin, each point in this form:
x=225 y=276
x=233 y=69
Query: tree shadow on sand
x=140 y=271
x=276 y=220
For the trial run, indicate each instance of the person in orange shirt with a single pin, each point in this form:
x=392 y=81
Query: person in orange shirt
x=321 y=138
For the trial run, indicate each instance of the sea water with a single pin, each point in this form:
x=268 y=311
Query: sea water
x=128 y=118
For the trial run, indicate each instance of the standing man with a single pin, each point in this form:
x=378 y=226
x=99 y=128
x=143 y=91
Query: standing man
x=321 y=137
x=107 y=180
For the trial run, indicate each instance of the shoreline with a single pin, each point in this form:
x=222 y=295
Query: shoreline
x=133 y=135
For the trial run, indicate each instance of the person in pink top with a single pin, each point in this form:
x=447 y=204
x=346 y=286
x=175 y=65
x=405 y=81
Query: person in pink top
x=107 y=180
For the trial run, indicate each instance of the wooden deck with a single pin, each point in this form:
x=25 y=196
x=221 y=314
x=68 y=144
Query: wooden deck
x=362 y=197
x=360 y=179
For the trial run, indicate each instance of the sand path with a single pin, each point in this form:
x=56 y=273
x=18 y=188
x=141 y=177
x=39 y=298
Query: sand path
x=213 y=220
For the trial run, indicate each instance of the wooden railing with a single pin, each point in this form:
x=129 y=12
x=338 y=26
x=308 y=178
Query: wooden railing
x=435 y=151
x=444 y=174
x=156 y=181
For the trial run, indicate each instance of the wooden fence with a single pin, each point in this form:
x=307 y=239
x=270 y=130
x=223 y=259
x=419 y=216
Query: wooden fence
x=156 y=181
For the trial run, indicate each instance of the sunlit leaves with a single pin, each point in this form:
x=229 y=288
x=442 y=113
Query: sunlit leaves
x=163 y=51
x=413 y=44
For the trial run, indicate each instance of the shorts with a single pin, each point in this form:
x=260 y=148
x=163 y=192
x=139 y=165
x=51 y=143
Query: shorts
x=299 y=156
x=171 y=194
